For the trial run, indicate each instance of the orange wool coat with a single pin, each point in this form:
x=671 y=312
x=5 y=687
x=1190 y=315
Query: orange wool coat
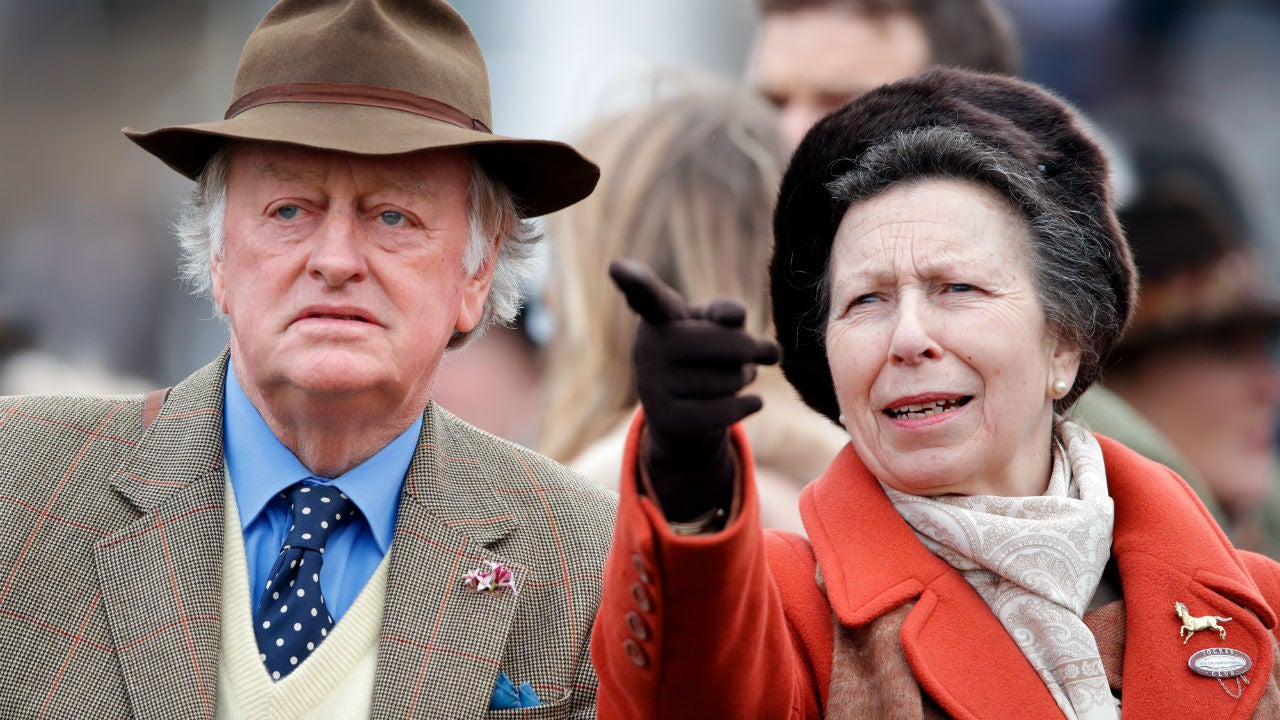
x=734 y=625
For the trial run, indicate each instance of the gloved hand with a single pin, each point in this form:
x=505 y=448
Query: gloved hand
x=690 y=363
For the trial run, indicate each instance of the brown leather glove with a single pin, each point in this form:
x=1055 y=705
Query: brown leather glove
x=690 y=363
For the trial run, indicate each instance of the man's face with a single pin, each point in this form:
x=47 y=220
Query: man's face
x=342 y=275
x=811 y=61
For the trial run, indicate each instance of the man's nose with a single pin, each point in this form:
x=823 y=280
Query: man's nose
x=337 y=252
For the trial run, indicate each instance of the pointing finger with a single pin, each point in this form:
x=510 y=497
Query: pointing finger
x=726 y=312
x=651 y=298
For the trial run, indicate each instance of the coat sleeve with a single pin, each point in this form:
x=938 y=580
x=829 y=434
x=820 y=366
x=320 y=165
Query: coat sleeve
x=694 y=627
x=1266 y=574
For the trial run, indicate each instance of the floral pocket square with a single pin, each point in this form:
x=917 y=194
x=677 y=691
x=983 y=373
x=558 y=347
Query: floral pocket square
x=506 y=696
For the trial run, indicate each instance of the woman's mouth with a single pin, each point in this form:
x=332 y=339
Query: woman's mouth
x=913 y=411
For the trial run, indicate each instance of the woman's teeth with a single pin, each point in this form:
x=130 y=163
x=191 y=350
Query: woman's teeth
x=919 y=410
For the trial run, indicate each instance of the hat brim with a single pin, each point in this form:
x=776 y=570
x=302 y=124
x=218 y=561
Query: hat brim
x=544 y=175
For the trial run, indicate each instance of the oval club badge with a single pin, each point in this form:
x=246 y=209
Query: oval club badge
x=1220 y=663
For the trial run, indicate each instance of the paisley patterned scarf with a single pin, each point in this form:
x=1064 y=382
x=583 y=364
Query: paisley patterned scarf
x=1036 y=561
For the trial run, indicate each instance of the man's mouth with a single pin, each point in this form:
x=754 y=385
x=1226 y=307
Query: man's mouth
x=331 y=312
x=912 y=411
x=334 y=316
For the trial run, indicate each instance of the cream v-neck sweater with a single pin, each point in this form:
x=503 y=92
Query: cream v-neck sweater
x=335 y=681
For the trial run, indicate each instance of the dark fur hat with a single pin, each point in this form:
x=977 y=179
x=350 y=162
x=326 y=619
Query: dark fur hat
x=1043 y=139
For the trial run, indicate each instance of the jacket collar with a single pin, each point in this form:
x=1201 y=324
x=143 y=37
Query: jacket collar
x=1166 y=546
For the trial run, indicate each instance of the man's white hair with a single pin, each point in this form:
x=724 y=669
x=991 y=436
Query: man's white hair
x=492 y=214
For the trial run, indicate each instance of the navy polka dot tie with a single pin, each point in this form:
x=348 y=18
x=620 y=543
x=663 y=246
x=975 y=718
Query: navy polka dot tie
x=292 y=619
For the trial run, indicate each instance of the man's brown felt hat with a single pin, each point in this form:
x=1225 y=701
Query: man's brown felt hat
x=374 y=77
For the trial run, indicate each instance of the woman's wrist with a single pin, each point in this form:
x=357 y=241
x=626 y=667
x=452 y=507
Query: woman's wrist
x=692 y=488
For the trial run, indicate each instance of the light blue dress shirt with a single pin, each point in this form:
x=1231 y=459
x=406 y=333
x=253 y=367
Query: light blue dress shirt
x=261 y=467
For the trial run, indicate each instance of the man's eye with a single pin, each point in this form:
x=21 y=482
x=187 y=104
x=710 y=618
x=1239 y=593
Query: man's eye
x=391 y=218
x=287 y=212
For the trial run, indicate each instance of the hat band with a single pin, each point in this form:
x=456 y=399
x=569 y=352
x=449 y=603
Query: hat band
x=355 y=94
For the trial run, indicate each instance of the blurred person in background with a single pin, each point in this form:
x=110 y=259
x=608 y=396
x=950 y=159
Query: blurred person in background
x=296 y=529
x=13 y=341
x=812 y=56
x=687 y=185
x=1199 y=361
x=27 y=369
x=495 y=382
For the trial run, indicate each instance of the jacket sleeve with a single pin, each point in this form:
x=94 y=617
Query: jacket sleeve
x=694 y=627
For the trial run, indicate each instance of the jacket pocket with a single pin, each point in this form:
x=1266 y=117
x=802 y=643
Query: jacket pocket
x=557 y=708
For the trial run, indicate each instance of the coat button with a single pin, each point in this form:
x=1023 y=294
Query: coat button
x=638 y=626
x=640 y=597
x=641 y=571
x=635 y=652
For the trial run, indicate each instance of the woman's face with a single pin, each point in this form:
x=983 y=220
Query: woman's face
x=1216 y=401
x=942 y=360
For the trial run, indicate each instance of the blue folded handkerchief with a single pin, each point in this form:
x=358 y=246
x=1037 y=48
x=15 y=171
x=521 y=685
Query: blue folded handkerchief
x=506 y=696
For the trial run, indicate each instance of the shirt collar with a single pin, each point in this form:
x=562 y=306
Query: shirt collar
x=261 y=466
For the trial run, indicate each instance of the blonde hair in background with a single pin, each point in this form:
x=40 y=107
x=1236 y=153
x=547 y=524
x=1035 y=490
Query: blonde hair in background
x=687 y=185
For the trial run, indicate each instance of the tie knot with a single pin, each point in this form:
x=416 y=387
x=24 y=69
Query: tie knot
x=316 y=510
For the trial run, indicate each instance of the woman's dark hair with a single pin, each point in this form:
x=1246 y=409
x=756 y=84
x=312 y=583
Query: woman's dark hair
x=1004 y=133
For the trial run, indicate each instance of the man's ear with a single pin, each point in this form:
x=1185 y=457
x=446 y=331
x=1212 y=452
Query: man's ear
x=217 y=284
x=476 y=293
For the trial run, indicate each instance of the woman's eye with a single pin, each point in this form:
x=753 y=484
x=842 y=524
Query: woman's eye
x=960 y=287
x=391 y=218
x=865 y=299
x=287 y=212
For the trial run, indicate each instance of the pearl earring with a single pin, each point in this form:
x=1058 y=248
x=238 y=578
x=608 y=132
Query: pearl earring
x=842 y=418
x=1059 y=387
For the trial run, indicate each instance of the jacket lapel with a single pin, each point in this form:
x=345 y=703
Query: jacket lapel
x=872 y=562
x=1193 y=564
x=161 y=574
x=441 y=642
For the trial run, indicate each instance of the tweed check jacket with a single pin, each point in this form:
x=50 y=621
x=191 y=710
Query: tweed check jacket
x=111 y=555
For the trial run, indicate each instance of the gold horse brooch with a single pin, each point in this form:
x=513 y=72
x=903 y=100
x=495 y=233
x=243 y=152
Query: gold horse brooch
x=1192 y=625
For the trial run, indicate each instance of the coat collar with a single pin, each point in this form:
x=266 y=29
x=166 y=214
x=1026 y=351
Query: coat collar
x=1165 y=544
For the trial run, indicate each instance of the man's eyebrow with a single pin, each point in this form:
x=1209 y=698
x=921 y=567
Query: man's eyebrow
x=411 y=185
